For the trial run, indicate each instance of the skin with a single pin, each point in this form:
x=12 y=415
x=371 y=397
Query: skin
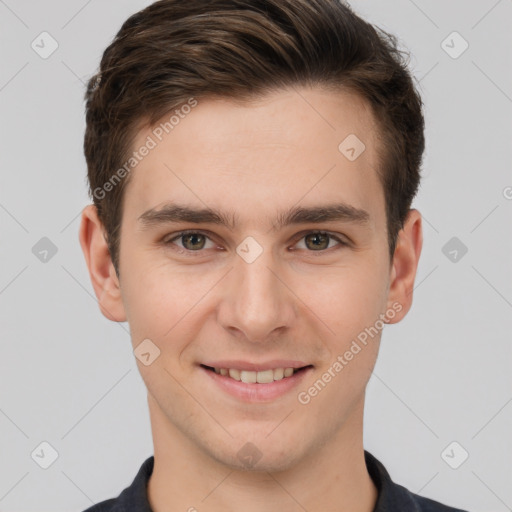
x=294 y=301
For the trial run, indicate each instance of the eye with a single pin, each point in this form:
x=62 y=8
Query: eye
x=192 y=241
x=195 y=241
x=319 y=240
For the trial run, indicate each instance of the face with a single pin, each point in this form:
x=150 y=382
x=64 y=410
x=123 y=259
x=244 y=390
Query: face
x=286 y=265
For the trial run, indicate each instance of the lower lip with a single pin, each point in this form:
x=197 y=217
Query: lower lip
x=257 y=392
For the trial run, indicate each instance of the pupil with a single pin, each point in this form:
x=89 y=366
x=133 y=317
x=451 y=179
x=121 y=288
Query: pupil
x=193 y=236
x=316 y=236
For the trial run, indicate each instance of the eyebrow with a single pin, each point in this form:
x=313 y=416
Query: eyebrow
x=174 y=213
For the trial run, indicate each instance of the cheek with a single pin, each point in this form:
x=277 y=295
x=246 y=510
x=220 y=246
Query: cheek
x=351 y=313
x=348 y=302
x=157 y=300
x=168 y=307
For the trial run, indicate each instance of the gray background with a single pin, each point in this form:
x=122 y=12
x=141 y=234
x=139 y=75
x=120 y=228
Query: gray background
x=68 y=376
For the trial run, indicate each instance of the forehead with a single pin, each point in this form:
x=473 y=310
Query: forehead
x=302 y=144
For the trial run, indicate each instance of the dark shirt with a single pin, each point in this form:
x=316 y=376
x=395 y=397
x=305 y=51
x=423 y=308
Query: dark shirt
x=392 y=497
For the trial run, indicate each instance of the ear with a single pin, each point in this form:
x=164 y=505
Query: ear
x=101 y=270
x=404 y=265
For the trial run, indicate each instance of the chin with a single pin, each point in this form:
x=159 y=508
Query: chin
x=259 y=454
x=268 y=463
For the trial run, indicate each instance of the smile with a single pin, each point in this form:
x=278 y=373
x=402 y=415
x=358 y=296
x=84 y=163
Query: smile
x=255 y=383
x=253 y=377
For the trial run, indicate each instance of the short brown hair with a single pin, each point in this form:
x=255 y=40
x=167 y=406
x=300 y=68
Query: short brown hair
x=174 y=50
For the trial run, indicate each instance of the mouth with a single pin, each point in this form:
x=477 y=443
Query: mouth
x=255 y=383
x=265 y=376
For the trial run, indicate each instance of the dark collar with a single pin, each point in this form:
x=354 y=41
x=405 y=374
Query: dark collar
x=392 y=497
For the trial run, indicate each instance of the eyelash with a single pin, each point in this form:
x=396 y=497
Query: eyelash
x=181 y=250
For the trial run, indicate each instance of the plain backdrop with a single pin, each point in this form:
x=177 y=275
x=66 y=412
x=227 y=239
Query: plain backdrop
x=441 y=389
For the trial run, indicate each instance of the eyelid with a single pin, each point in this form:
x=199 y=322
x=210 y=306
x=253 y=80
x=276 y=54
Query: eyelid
x=178 y=234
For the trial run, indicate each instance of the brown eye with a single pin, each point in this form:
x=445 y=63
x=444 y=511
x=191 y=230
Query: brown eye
x=193 y=241
x=317 y=241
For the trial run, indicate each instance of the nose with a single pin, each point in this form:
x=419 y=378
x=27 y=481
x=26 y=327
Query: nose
x=257 y=304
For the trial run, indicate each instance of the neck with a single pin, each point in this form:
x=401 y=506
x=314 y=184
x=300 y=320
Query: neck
x=332 y=476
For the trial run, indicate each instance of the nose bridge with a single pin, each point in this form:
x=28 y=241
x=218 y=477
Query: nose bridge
x=259 y=303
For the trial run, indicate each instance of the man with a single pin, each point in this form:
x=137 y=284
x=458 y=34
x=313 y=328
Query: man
x=252 y=165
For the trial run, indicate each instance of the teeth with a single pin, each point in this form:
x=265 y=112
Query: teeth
x=278 y=373
x=234 y=374
x=250 y=377
x=265 y=377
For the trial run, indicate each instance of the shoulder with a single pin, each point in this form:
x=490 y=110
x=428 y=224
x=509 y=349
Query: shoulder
x=422 y=504
x=110 y=505
x=393 y=496
x=132 y=499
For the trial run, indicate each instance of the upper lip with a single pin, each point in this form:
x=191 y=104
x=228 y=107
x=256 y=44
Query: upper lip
x=255 y=367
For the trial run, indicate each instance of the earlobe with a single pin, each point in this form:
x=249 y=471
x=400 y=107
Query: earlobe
x=101 y=270
x=405 y=264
